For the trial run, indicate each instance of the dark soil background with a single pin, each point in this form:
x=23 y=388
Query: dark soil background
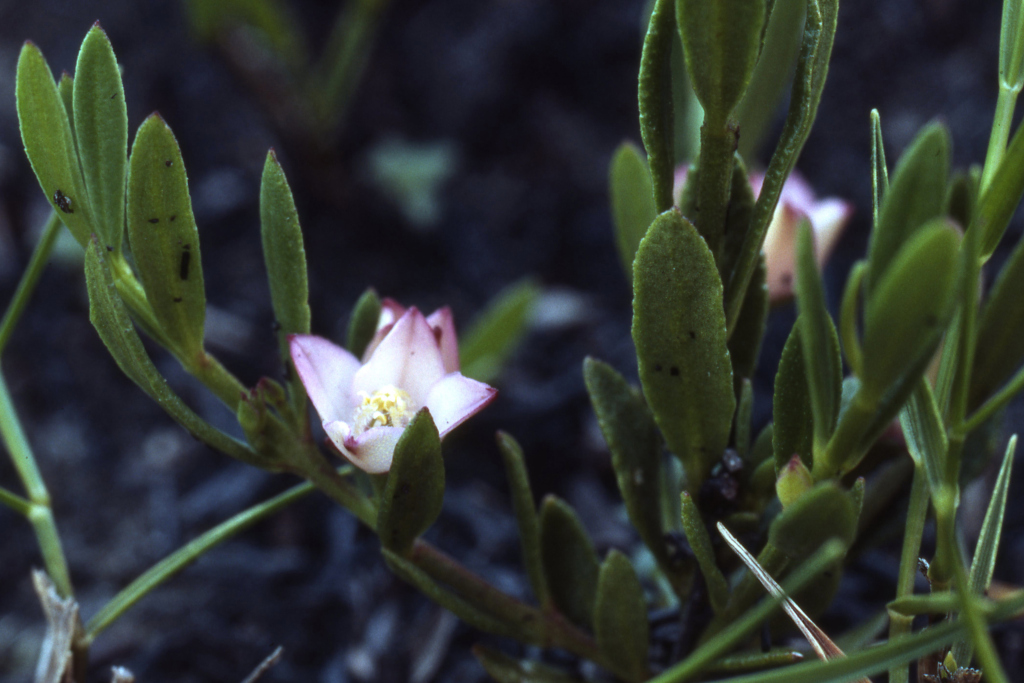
x=533 y=95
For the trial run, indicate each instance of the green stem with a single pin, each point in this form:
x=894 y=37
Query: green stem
x=40 y=516
x=218 y=379
x=993 y=405
x=1001 y=123
x=714 y=182
x=339 y=489
x=900 y=624
x=29 y=279
x=15 y=502
x=181 y=558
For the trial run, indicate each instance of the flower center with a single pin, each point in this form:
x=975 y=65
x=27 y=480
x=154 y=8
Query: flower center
x=389 y=406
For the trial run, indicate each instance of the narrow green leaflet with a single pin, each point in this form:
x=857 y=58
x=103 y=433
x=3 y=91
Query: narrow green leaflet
x=495 y=334
x=110 y=318
x=526 y=513
x=1011 y=47
x=879 y=170
x=984 y=562
x=744 y=413
x=849 y=314
x=655 y=93
x=962 y=195
x=414 y=492
x=620 y=618
x=791 y=406
x=632 y=198
x=915 y=197
x=909 y=307
x=49 y=144
x=721 y=41
x=570 y=564
x=66 y=89
x=738 y=216
x=101 y=131
x=1000 y=331
x=679 y=332
x=283 y=250
x=635 y=446
x=700 y=543
x=925 y=434
x=362 y=323
x=164 y=239
x=822 y=362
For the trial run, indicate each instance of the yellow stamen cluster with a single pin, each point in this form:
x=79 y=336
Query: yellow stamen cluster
x=389 y=406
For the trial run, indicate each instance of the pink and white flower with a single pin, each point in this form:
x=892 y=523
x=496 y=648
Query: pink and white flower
x=411 y=363
x=797 y=202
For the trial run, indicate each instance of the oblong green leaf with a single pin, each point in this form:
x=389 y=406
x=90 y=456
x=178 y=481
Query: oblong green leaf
x=915 y=196
x=283 y=250
x=849 y=314
x=879 y=170
x=793 y=433
x=822 y=361
x=570 y=563
x=1001 y=196
x=101 y=131
x=109 y=316
x=679 y=333
x=525 y=511
x=700 y=542
x=745 y=342
x=620 y=618
x=823 y=512
x=925 y=433
x=909 y=308
x=362 y=323
x=632 y=198
x=49 y=144
x=655 y=94
x=164 y=239
x=414 y=492
x=721 y=41
x=635 y=446
x=497 y=330
x=1000 y=337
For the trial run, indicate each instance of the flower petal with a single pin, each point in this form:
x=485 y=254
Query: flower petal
x=326 y=370
x=828 y=217
x=373 y=450
x=408 y=358
x=443 y=324
x=455 y=398
x=390 y=312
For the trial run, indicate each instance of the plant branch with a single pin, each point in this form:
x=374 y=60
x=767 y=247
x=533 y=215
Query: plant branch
x=29 y=279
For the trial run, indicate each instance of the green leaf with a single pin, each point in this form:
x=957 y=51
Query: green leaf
x=721 y=40
x=635 y=446
x=632 y=199
x=962 y=195
x=910 y=306
x=744 y=413
x=655 y=92
x=49 y=144
x=111 y=320
x=808 y=84
x=791 y=406
x=915 y=197
x=822 y=513
x=164 y=239
x=414 y=492
x=700 y=543
x=679 y=332
x=66 y=89
x=737 y=220
x=1000 y=335
x=879 y=170
x=283 y=251
x=984 y=562
x=504 y=669
x=526 y=513
x=498 y=330
x=101 y=131
x=620 y=618
x=759 y=108
x=849 y=314
x=823 y=364
x=570 y=564
x=362 y=323
x=1001 y=196
x=925 y=434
